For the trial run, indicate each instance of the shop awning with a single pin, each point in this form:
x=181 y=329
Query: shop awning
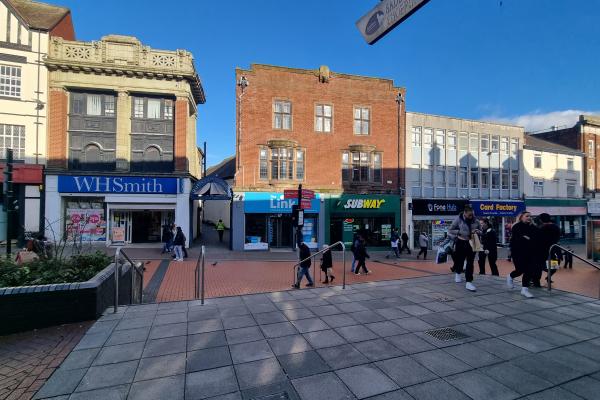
x=211 y=188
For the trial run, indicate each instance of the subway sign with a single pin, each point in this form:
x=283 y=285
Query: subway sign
x=364 y=203
x=116 y=184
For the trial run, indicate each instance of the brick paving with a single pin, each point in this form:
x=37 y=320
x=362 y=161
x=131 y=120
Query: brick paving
x=368 y=341
x=28 y=359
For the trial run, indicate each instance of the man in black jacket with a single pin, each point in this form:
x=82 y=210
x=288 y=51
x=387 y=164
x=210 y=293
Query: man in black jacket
x=404 y=243
x=490 y=251
x=304 y=268
x=549 y=235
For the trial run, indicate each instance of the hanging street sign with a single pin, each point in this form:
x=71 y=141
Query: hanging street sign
x=386 y=16
x=293 y=194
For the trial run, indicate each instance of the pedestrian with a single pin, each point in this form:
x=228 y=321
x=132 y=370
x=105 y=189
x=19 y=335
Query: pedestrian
x=353 y=248
x=522 y=244
x=489 y=239
x=394 y=239
x=327 y=264
x=404 y=243
x=220 y=227
x=462 y=230
x=549 y=234
x=361 y=256
x=568 y=258
x=423 y=244
x=179 y=242
x=167 y=238
x=304 y=267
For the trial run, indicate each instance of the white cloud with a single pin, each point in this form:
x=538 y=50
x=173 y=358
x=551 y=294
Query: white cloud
x=537 y=121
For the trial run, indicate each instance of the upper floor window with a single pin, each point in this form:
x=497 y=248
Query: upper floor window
x=463 y=141
x=427 y=137
x=538 y=188
x=362 y=166
x=514 y=147
x=285 y=163
x=152 y=108
x=416 y=136
x=323 y=118
x=514 y=180
x=10 y=81
x=12 y=137
x=571 y=189
x=485 y=143
x=440 y=138
x=451 y=140
x=93 y=104
x=537 y=161
x=361 y=120
x=505 y=181
x=263 y=163
x=591 y=148
x=495 y=144
x=504 y=145
x=282 y=114
x=570 y=164
x=590 y=180
x=474 y=142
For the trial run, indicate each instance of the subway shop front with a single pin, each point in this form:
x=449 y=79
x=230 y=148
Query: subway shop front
x=372 y=216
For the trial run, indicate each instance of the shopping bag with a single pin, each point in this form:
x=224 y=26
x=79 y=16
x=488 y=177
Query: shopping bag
x=475 y=243
x=442 y=256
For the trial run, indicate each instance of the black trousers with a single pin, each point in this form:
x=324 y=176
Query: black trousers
x=523 y=267
x=492 y=257
x=405 y=246
x=463 y=253
x=361 y=263
x=424 y=252
x=220 y=232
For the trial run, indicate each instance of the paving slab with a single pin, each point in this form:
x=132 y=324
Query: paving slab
x=436 y=390
x=259 y=373
x=107 y=375
x=516 y=378
x=210 y=358
x=289 y=345
x=172 y=388
x=169 y=345
x=405 y=371
x=252 y=351
x=366 y=380
x=298 y=365
x=210 y=383
x=378 y=349
x=555 y=393
x=481 y=387
x=325 y=338
x=112 y=393
x=441 y=363
x=342 y=356
x=323 y=387
x=587 y=388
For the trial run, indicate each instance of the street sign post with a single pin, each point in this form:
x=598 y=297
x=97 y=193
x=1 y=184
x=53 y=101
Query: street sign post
x=386 y=16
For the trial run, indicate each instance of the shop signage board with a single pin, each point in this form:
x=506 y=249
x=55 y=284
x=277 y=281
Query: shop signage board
x=386 y=16
x=276 y=203
x=438 y=207
x=497 y=208
x=293 y=194
x=116 y=184
x=593 y=207
x=365 y=204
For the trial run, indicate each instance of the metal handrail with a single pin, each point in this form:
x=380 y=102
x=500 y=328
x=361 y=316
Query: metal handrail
x=571 y=253
x=321 y=252
x=140 y=271
x=199 y=276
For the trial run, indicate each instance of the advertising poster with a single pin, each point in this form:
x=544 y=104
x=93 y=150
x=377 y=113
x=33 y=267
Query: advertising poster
x=85 y=224
x=386 y=231
x=439 y=230
x=309 y=233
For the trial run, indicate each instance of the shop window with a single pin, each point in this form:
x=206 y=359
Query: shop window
x=282 y=115
x=505 y=180
x=495 y=179
x=362 y=120
x=12 y=137
x=474 y=178
x=255 y=237
x=264 y=170
x=514 y=180
x=538 y=188
x=84 y=219
x=571 y=189
x=10 y=81
x=537 y=161
x=323 y=118
x=485 y=178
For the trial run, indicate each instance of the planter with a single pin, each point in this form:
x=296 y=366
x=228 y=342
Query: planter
x=30 y=307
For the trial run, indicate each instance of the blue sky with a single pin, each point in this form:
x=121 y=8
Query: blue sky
x=531 y=62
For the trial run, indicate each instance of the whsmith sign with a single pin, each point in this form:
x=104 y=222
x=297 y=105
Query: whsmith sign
x=385 y=16
x=116 y=184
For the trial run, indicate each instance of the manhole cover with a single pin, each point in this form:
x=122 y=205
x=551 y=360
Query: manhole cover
x=446 y=334
x=275 y=396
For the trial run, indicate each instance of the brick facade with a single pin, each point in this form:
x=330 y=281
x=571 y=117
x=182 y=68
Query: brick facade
x=64 y=28
x=181 y=122
x=57 y=128
x=304 y=89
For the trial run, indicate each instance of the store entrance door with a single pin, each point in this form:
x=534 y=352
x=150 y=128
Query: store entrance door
x=122 y=219
x=281 y=231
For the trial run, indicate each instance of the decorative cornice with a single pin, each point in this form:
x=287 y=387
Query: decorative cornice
x=361 y=147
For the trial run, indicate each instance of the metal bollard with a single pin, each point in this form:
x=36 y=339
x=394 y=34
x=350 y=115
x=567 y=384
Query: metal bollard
x=202 y=288
x=116 y=308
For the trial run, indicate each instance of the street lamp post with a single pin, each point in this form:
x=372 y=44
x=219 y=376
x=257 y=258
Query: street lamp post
x=399 y=100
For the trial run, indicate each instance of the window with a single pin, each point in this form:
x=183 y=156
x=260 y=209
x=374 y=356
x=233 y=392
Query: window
x=495 y=144
x=590 y=180
x=474 y=142
x=440 y=138
x=474 y=178
x=485 y=143
x=365 y=163
x=263 y=168
x=282 y=115
x=427 y=173
x=452 y=177
x=463 y=141
x=94 y=104
x=440 y=177
x=505 y=180
x=300 y=165
x=463 y=176
x=427 y=137
x=109 y=106
x=92 y=154
x=152 y=154
x=323 y=116
x=416 y=136
x=538 y=188
x=504 y=145
x=571 y=189
x=361 y=120
x=346 y=167
x=591 y=148
x=138 y=107
x=153 y=109
x=570 y=164
x=12 y=137
x=282 y=163
x=377 y=167
x=514 y=147
x=451 y=140
x=10 y=81
x=485 y=178
x=537 y=161
x=168 y=109
x=514 y=180
x=495 y=179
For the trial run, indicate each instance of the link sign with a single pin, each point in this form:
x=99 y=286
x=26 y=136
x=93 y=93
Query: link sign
x=385 y=17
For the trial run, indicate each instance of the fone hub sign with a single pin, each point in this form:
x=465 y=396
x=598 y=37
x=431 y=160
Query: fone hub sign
x=386 y=16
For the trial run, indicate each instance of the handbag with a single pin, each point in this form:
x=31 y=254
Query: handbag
x=475 y=243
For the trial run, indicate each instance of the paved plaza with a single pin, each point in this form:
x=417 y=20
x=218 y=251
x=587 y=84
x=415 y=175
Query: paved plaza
x=370 y=340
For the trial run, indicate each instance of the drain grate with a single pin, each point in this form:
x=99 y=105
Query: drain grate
x=276 y=396
x=446 y=334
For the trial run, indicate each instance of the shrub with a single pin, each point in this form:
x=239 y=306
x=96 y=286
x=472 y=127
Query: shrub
x=78 y=268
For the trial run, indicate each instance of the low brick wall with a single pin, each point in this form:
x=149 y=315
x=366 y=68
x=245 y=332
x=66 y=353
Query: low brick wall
x=30 y=307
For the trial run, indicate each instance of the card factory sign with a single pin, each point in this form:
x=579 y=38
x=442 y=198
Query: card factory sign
x=116 y=184
x=385 y=16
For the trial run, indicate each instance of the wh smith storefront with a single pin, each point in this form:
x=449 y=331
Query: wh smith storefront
x=87 y=207
x=263 y=221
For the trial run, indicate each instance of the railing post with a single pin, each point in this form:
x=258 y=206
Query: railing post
x=116 y=308
x=550 y=268
x=133 y=273
x=202 y=266
x=344 y=266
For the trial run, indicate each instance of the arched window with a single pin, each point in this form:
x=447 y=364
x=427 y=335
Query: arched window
x=92 y=154
x=152 y=154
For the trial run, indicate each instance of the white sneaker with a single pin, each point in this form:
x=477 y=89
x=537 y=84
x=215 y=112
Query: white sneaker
x=509 y=282
x=525 y=292
x=470 y=287
x=457 y=278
